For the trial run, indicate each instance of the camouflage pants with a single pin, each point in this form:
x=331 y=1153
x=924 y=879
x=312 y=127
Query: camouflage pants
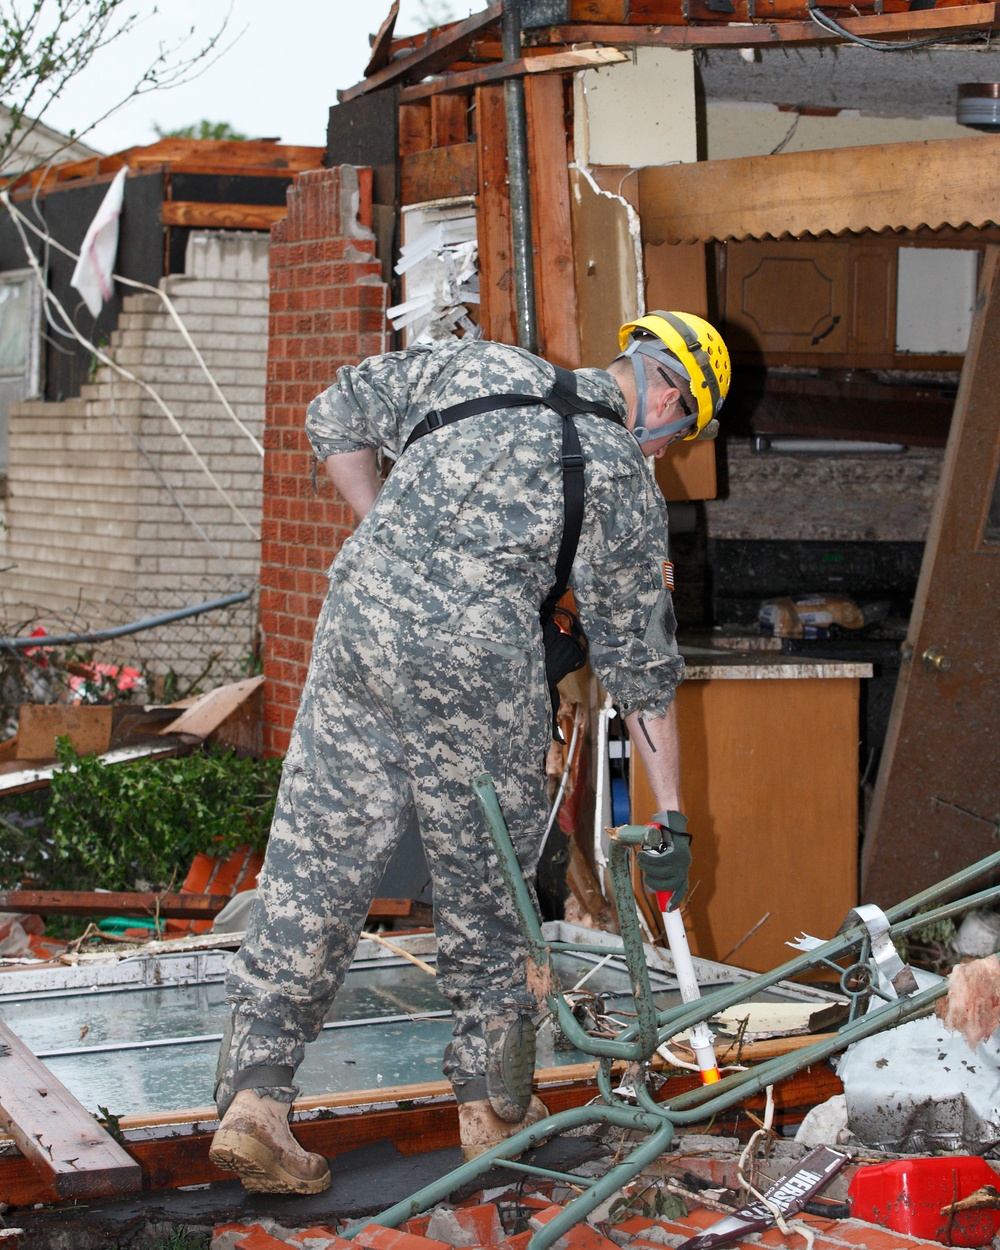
x=392 y=716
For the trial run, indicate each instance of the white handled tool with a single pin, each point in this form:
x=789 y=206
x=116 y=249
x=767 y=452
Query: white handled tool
x=700 y=1035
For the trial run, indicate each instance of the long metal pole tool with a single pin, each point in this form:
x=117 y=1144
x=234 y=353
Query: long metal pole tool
x=876 y=1004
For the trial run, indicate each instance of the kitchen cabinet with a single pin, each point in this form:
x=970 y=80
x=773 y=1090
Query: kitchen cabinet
x=769 y=757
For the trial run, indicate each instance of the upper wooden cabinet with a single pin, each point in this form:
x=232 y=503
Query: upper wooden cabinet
x=829 y=302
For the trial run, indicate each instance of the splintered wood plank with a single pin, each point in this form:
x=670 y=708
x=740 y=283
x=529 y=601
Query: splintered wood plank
x=381 y=45
x=438 y=174
x=885 y=186
x=449 y=120
x=551 y=220
x=436 y=54
x=496 y=259
x=55 y=1133
x=197 y=214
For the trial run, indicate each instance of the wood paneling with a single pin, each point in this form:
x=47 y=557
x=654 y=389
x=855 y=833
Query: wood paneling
x=769 y=777
x=818 y=302
x=871 y=326
x=938 y=790
x=438 y=173
x=551 y=220
x=677 y=278
x=599 y=10
x=63 y=1143
x=687 y=471
x=496 y=259
x=414 y=128
x=449 y=120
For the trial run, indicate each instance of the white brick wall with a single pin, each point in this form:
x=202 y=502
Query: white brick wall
x=93 y=534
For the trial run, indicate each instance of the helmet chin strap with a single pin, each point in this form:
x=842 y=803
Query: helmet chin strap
x=640 y=347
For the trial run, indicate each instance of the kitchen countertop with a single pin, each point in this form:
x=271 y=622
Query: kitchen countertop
x=721 y=663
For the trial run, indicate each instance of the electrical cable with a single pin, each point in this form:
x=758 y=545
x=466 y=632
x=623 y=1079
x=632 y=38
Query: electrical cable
x=105 y=359
x=168 y=303
x=560 y=793
x=826 y=22
x=784 y=1225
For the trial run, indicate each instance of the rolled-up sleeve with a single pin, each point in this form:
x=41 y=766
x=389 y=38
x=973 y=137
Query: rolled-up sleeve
x=626 y=608
x=367 y=405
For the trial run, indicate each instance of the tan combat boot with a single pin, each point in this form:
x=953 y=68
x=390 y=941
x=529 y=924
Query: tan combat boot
x=480 y=1127
x=255 y=1141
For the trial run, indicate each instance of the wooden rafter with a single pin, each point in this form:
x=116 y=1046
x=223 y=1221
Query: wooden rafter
x=558 y=62
x=382 y=43
x=250 y=158
x=889 y=186
x=437 y=53
x=919 y=24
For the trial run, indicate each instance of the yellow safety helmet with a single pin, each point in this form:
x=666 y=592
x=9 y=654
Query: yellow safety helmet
x=690 y=347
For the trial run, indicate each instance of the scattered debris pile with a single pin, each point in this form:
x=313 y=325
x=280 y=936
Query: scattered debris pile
x=671 y=1204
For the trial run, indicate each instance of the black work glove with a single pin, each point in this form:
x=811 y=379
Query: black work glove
x=665 y=864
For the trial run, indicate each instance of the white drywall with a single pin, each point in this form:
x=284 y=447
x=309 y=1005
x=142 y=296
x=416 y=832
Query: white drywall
x=639 y=112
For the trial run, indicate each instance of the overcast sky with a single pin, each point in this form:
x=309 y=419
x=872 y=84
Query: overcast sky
x=279 y=78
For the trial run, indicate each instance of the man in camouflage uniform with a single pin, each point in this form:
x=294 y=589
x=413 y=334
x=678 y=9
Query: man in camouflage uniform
x=427 y=669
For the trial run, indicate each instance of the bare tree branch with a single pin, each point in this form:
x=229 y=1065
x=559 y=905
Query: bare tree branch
x=45 y=44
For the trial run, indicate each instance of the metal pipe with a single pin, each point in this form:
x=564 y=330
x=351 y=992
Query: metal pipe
x=120 y=631
x=661 y=1132
x=518 y=185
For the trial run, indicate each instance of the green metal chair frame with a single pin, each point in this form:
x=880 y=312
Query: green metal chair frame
x=637 y=1043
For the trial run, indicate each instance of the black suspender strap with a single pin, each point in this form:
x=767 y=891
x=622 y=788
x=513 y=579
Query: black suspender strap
x=436 y=419
x=563 y=399
x=565 y=651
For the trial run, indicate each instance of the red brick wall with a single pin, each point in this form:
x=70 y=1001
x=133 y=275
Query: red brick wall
x=327 y=309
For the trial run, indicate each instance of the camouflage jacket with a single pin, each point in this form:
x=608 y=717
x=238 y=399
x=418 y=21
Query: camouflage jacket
x=465 y=532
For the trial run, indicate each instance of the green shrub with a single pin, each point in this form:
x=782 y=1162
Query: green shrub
x=113 y=825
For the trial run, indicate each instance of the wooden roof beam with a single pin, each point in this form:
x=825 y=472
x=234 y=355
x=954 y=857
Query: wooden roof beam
x=919 y=24
x=437 y=53
x=558 y=62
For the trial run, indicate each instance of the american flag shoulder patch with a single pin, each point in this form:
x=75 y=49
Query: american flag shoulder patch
x=668 y=575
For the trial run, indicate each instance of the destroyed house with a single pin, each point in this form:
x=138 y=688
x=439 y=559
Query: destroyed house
x=759 y=169
x=129 y=494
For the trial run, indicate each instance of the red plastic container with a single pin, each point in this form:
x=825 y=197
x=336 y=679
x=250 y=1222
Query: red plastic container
x=908 y=1195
